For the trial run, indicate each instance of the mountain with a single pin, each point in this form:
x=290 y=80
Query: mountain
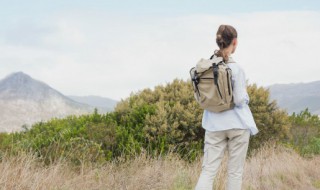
x=24 y=100
x=295 y=97
x=101 y=103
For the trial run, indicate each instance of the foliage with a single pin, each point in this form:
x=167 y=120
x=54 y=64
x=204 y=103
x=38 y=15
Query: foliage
x=165 y=119
x=175 y=121
x=90 y=136
x=272 y=122
x=170 y=119
x=305 y=132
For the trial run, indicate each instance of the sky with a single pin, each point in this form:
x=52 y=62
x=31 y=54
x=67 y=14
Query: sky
x=112 y=48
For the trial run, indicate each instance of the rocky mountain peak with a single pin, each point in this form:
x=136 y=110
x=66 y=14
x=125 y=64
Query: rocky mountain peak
x=24 y=100
x=19 y=76
x=22 y=86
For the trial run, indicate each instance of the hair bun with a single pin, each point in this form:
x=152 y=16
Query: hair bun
x=220 y=41
x=225 y=35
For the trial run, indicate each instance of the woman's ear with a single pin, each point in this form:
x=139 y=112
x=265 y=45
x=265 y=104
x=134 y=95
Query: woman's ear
x=235 y=42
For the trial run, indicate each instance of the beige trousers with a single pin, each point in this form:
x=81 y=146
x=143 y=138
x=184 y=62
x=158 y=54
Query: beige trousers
x=236 y=141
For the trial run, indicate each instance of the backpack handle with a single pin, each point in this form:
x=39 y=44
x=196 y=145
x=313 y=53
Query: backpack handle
x=212 y=56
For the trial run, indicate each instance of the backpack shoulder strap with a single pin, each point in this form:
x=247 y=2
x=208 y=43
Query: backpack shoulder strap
x=231 y=60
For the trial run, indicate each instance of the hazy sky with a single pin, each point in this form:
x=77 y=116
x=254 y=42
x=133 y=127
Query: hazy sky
x=112 y=48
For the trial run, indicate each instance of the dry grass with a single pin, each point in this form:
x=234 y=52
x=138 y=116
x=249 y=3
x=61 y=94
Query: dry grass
x=281 y=168
x=269 y=168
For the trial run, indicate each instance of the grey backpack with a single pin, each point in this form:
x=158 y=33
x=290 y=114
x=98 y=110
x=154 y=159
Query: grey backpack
x=211 y=80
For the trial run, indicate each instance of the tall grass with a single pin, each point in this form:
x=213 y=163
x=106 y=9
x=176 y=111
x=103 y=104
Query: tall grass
x=281 y=168
x=269 y=168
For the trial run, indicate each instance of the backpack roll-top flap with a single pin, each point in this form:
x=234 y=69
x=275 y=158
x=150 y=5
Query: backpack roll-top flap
x=205 y=64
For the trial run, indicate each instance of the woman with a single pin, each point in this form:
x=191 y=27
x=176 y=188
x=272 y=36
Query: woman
x=229 y=129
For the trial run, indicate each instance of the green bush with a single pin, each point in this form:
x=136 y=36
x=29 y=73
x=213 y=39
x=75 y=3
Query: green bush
x=93 y=135
x=165 y=119
x=272 y=122
x=169 y=119
x=174 y=122
x=305 y=132
x=313 y=148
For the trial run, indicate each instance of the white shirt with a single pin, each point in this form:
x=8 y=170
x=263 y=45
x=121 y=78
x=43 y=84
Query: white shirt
x=240 y=117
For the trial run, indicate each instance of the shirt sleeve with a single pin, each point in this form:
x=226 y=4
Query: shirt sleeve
x=240 y=95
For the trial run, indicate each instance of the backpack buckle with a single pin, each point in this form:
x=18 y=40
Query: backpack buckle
x=215 y=73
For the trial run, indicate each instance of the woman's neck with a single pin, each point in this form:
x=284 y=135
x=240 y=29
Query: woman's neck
x=227 y=51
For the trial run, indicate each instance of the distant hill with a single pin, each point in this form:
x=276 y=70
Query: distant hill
x=101 y=103
x=24 y=100
x=295 y=97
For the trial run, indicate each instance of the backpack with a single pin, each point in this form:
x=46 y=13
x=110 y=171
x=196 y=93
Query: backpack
x=211 y=81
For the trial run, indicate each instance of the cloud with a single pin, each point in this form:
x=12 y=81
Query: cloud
x=97 y=53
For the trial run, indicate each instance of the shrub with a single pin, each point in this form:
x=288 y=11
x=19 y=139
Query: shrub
x=305 y=132
x=166 y=119
x=272 y=122
x=173 y=120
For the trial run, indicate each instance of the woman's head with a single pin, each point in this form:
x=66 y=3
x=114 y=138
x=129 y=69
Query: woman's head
x=226 y=40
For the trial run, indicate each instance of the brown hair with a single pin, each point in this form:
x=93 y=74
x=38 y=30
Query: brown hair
x=225 y=35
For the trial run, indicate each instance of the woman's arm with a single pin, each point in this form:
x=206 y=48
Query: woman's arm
x=240 y=95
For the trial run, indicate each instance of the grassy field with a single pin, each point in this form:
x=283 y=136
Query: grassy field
x=269 y=168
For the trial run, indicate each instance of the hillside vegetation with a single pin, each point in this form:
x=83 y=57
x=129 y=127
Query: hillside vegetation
x=154 y=139
x=156 y=122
